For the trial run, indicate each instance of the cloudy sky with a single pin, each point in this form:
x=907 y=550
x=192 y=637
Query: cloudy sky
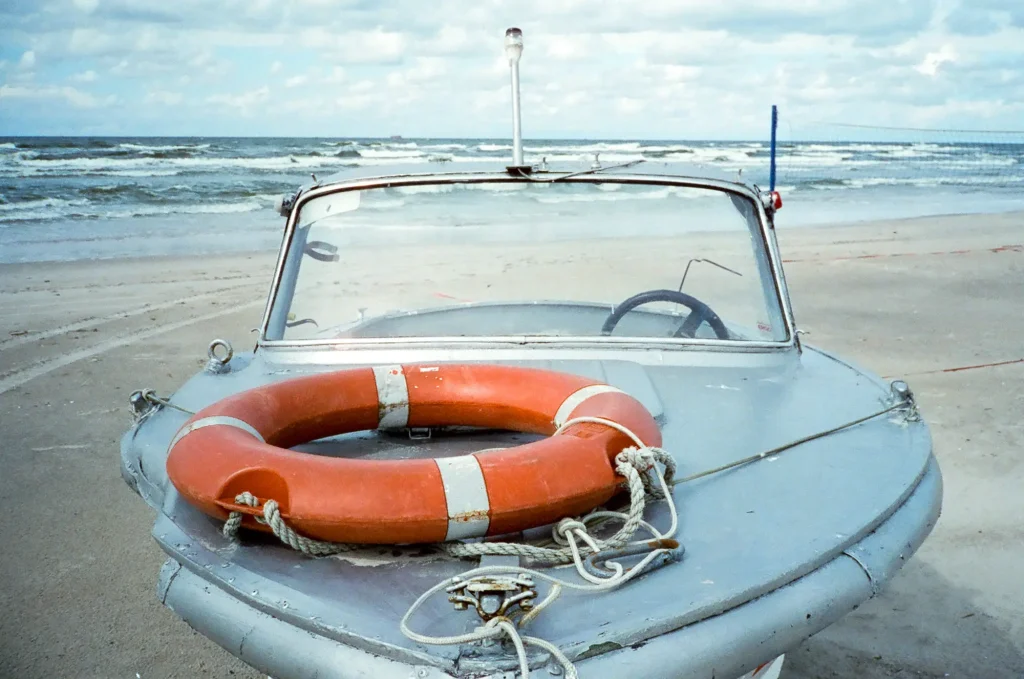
x=656 y=69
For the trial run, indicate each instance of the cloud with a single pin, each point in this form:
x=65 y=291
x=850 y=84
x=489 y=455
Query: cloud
x=164 y=98
x=934 y=60
x=244 y=103
x=70 y=95
x=675 y=68
x=92 y=41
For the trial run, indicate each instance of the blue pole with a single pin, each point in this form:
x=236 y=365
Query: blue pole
x=775 y=125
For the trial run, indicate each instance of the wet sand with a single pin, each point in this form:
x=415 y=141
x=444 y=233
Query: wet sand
x=910 y=298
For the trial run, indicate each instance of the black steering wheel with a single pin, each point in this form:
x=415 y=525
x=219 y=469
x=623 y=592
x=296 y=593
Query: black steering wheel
x=699 y=312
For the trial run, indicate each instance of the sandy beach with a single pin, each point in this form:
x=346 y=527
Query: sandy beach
x=937 y=301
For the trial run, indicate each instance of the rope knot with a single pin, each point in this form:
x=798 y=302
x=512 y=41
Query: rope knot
x=234 y=522
x=564 y=527
x=641 y=459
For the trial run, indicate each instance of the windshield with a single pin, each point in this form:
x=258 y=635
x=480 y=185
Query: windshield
x=588 y=257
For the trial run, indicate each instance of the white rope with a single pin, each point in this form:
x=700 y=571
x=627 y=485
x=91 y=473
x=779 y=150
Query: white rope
x=636 y=465
x=284 y=532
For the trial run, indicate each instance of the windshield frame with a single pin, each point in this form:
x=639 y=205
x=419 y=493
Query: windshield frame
x=766 y=244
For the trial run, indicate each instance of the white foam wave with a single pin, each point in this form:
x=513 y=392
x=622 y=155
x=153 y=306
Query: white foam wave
x=8 y=146
x=39 y=210
x=141 y=173
x=172 y=147
x=932 y=182
x=717 y=155
x=189 y=209
x=389 y=153
x=40 y=203
x=153 y=166
x=48 y=209
x=444 y=147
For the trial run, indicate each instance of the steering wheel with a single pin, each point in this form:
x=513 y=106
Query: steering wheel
x=699 y=312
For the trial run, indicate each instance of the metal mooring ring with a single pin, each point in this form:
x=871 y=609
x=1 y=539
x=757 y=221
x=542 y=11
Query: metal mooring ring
x=217 y=363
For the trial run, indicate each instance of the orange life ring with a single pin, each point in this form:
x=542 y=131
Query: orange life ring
x=241 y=444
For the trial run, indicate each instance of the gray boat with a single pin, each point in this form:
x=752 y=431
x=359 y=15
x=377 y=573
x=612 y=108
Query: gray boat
x=635 y=466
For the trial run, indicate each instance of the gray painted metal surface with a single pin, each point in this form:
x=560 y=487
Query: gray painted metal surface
x=722 y=645
x=774 y=551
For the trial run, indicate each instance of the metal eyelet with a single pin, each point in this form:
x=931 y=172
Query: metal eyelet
x=219 y=364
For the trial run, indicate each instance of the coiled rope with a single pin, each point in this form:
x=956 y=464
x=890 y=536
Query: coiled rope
x=637 y=465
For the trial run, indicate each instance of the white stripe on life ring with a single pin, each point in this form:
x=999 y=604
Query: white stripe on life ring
x=212 y=421
x=466 y=495
x=576 y=398
x=392 y=397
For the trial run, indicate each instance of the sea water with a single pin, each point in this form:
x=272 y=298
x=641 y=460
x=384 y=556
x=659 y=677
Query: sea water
x=79 y=198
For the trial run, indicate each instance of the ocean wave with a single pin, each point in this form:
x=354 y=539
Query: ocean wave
x=444 y=147
x=60 y=166
x=191 y=209
x=390 y=153
x=834 y=184
x=171 y=147
x=64 y=178
x=50 y=209
x=42 y=209
x=35 y=204
x=396 y=144
x=162 y=159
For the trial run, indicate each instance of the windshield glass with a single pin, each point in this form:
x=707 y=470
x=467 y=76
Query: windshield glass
x=588 y=257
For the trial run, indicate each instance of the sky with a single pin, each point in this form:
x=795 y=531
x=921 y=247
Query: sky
x=610 y=69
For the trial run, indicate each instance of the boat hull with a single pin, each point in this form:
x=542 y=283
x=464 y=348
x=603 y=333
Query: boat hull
x=289 y=645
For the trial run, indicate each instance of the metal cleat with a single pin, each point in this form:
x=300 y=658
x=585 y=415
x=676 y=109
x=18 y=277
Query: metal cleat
x=493 y=596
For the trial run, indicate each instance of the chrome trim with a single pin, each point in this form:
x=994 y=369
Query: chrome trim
x=525 y=341
x=305 y=358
